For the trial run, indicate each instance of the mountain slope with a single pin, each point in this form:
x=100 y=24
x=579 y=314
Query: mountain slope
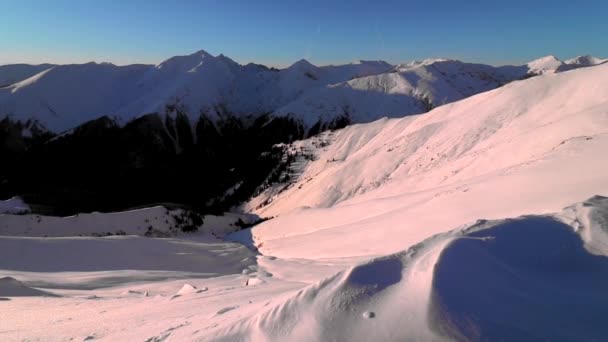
x=406 y=91
x=14 y=73
x=528 y=147
x=66 y=96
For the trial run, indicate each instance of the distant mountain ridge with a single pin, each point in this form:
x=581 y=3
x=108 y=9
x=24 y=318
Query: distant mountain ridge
x=13 y=73
x=61 y=97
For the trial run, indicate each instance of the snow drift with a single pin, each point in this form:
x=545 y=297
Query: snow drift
x=11 y=287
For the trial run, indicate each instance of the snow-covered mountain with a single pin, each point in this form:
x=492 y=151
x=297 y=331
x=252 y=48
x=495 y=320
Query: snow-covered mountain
x=404 y=91
x=585 y=61
x=217 y=88
x=65 y=96
x=201 y=120
x=551 y=64
x=446 y=191
x=531 y=146
x=479 y=220
x=547 y=64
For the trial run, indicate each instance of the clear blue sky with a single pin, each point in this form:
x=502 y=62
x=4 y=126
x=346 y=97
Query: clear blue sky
x=280 y=32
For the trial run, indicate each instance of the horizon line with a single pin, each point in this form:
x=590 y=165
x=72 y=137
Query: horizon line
x=286 y=65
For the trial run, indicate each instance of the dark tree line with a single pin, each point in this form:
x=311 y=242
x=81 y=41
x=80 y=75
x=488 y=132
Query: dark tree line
x=101 y=166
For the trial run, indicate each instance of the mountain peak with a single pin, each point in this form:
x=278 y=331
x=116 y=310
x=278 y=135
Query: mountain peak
x=227 y=60
x=546 y=59
x=419 y=63
x=302 y=63
x=184 y=63
x=545 y=64
x=201 y=53
x=585 y=60
x=369 y=62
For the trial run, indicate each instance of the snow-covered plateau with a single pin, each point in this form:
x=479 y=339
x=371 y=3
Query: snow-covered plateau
x=484 y=218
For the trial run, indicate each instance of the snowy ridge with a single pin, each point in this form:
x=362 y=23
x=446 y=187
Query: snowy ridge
x=413 y=90
x=445 y=284
x=11 y=287
x=585 y=60
x=63 y=97
x=134 y=222
x=414 y=64
x=547 y=64
x=452 y=157
x=551 y=64
x=13 y=73
x=198 y=84
x=66 y=96
x=155 y=221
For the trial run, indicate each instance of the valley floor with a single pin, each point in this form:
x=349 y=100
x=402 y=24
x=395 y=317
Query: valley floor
x=138 y=288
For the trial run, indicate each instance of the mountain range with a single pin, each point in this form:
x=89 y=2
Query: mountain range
x=61 y=97
x=482 y=219
x=202 y=129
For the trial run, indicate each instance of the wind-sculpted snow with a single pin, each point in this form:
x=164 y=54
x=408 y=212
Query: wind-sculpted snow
x=524 y=279
x=529 y=278
x=371 y=301
x=11 y=287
